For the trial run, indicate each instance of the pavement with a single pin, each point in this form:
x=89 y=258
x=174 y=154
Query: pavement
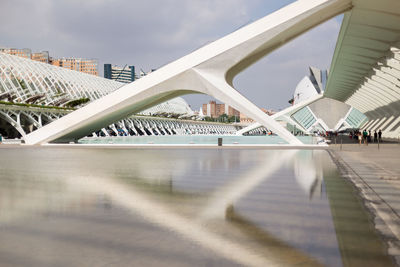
x=375 y=171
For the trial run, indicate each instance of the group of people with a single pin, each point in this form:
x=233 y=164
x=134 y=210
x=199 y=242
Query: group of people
x=366 y=136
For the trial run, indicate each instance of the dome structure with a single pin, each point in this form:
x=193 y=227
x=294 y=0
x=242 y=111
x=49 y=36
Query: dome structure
x=324 y=114
x=173 y=106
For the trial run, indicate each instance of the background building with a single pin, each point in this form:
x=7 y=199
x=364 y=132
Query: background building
x=247 y=120
x=214 y=110
x=25 y=52
x=89 y=66
x=41 y=57
x=325 y=114
x=124 y=75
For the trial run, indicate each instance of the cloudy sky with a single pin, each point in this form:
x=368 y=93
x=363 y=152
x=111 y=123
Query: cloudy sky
x=151 y=33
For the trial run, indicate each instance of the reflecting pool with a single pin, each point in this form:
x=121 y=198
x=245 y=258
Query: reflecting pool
x=73 y=206
x=194 y=139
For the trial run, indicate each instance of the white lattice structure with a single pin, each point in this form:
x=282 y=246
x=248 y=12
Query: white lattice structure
x=33 y=94
x=145 y=126
x=27 y=81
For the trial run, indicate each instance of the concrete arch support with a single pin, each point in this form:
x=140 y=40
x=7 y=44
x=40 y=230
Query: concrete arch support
x=223 y=91
x=15 y=123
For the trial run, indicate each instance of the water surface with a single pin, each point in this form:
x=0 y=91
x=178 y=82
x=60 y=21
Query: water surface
x=193 y=139
x=180 y=207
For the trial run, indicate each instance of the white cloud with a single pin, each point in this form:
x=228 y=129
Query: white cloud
x=200 y=19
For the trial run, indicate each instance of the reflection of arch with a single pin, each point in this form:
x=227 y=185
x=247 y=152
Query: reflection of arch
x=209 y=70
x=289 y=255
x=308 y=174
x=221 y=199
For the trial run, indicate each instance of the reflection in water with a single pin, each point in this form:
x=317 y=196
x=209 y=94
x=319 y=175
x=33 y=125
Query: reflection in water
x=243 y=184
x=308 y=172
x=72 y=206
x=278 y=248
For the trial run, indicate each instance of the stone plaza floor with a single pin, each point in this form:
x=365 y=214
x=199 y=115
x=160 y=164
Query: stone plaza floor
x=375 y=171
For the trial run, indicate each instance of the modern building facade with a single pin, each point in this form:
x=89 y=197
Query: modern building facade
x=89 y=66
x=310 y=85
x=124 y=74
x=325 y=114
x=25 y=52
x=320 y=116
x=43 y=57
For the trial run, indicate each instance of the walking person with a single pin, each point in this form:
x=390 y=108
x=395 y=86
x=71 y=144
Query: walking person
x=380 y=136
x=365 y=136
x=375 y=136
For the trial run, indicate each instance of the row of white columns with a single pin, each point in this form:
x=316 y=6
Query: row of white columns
x=144 y=126
x=379 y=96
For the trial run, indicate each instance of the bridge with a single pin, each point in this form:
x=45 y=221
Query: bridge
x=364 y=71
x=209 y=70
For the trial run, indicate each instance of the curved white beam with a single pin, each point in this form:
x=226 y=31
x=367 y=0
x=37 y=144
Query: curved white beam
x=357 y=104
x=382 y=88
x=365 y=92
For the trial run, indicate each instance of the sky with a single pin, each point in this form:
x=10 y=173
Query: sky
x=148 y=34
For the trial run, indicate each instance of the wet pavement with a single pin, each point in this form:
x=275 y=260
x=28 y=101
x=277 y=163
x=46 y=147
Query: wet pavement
x=376 y=173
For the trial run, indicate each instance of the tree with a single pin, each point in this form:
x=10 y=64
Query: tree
x=232 y=119
x=223 y=118
x=77 y=102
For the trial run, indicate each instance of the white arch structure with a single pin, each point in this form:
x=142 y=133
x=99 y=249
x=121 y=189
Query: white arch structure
x=365 y=70
x=209 y=70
